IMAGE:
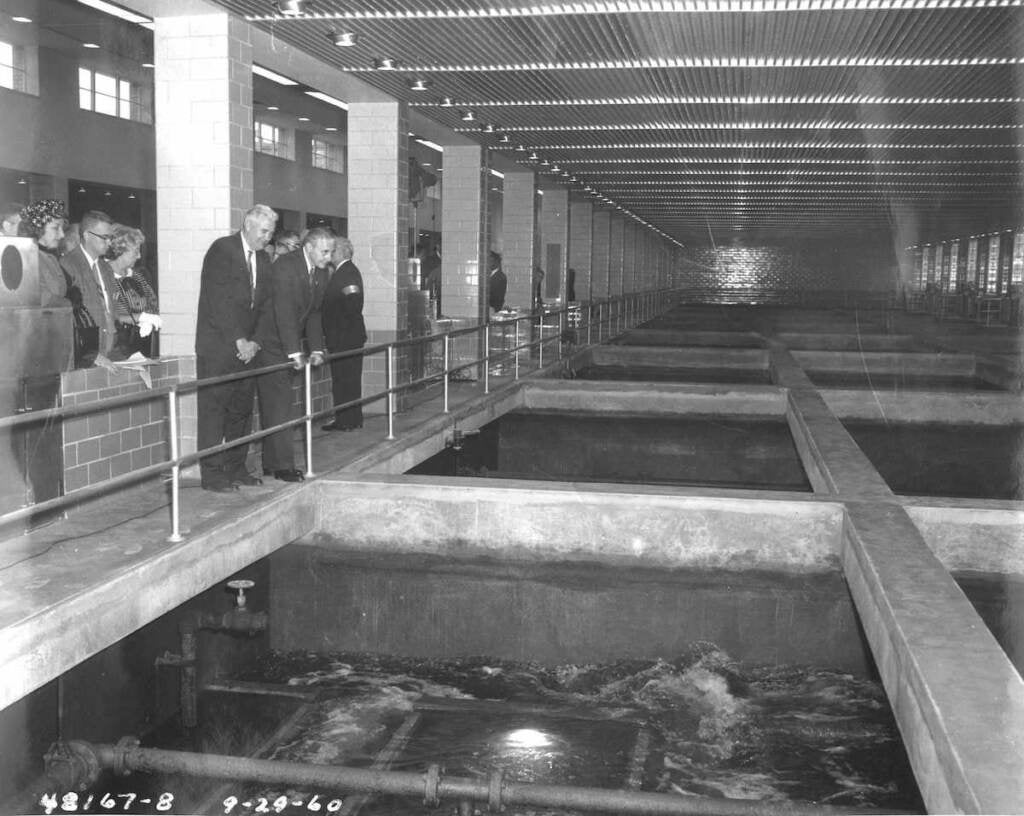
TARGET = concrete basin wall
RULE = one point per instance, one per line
(581, 522)
(973, 538)
(979, 407)
(848, 342)
(693, 357)
(654, 399)
(886, 361)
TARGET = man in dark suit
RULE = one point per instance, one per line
(233, 289)
(497, 283)
(93, 280)
(344, 329)
(288, 329)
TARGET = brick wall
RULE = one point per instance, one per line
(105, 444)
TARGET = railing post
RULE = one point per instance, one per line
(515, 364)
(600, 321)
(561, 331)
(446, 355)
(391, 390)
(308, 375)
(540, 346)
(172, 420)
(590, 320)
(487, 358)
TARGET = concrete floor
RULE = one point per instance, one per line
(78, 585)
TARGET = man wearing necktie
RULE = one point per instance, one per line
(234, 287)
(95, 280)
(288, 329)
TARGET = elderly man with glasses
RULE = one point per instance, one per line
(95, 280)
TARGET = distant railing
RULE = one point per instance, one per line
(600, 320)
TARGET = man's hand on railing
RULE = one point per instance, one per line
(298, 360)
(316, 358)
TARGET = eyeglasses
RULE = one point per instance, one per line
(102, 237)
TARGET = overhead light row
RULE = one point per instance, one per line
(767, 125)
(297, 9)
(817, 99)
(655, 63)
(783, 146)
(824, 173)
(792, 160)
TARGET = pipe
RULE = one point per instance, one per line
(127, 756)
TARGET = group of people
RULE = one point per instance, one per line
(91, 266)
(263, 303)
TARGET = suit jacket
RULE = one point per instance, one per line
(102, 308)
(293, 314)
(228, 306)
(343, 309)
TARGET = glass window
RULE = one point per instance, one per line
(12, 66)
(272, 140)
(111, 95)
(327, 155)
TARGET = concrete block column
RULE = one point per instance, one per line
(378, 226)
(581, 240)
(554, 229)
(464, 239)
(518, 226)
(629, 255)
(615, 268)
(202, 96)
(203, 124)
(600, 254)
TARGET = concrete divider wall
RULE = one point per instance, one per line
(700, 357)
(980, 407)
(886, 361)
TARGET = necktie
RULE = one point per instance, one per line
(252, 278)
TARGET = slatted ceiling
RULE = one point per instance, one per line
(861, 137)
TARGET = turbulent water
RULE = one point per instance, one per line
(712, 727)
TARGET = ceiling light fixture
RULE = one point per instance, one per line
(343, 39)
(89, 45)
(385, 63)
(488, 128)
(330, 100)
(420, 85)
(504, 138)
(533, 156)
(22, 19)
(148, 65)
(292, 8)
(303, 118)
(468, 116)
(520, 149)
(272, 107)
(556, 169)
(446, 102)
(273, 76)
(22, 180)
(116, 11)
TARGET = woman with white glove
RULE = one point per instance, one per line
(138, 312)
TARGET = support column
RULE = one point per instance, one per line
(600, 254)
(202, 96)
(554, 226)
(518, 226)
(378, 226)
(629, 239)
(581, 235)
(464, 239)
(615, 255)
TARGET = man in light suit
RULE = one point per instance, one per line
(94, 280)
(234, 287)
(288, 329)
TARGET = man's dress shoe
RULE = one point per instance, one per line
(292, 475)
(220, 487)
(247, 480)
(334, 426)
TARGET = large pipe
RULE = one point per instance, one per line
(432, 787)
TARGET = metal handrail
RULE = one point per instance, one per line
(613, 315)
